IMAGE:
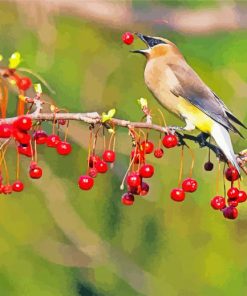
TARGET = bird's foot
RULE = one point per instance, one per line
(202, 139)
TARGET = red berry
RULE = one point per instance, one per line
(64, 148)
(208, 166)
(1, 188)
(232, 192)
(230, 212)
(35, 172)
(23, 123)
(92, 172)
(109, 156)
(231, 174)
(134, 190)
(138, 156)
(5, 130)
(141, 189)
(93, 159)
(85, 182)
(177, 194)
(101, 166)
(144, 188)
(62, 121)
(25, 150)
(242, 196)
(170, 141)
(128, 199)
(218, 202)
(128, 38)
(133, 180)
(147, 147)
(21, 137)
(146, 171)
(53, 140)
(17, 186)
(40, 136)
(189, 185)
(24, 83)
(158, 153)
(232, 202)
(7, 189)
(33, 165)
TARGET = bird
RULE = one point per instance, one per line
(179, 89)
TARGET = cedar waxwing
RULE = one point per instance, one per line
(180, 90)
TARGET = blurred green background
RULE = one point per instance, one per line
(57, 240)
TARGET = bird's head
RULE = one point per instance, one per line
(156, 46)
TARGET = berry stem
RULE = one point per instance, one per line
(209, 151)
(66, 131)
(145, 136)
(163, 117)
(181, 166)
(239, 184)
(17, 164)
(129, 167)
(192, 162)
(95, 139)
(35, 152)
(6, 167)
(224, 180)
(31, 148)
(54, 123)
(110, 141)
(114, 142)
(104, 140)
(218, 178)
(89, 148)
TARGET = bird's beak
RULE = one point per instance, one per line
(145, 39)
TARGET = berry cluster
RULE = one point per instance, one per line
(27, 136)
(189, 185)
(234, 196)
(96, 165)
(141, 170)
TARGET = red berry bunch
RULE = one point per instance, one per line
(188, 185)
(21, 133)
(96, 165)
(229, 206)
(136, 185)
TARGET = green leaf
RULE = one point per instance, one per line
(105, 117)
(38, 88)
(111, 113)
(143, 102)
(15, 60)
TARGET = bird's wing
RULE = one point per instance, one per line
(192, 88)
(228, 112)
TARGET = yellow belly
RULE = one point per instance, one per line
(202, 121)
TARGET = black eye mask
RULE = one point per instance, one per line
(153, 41)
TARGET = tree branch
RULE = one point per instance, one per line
(94, 118)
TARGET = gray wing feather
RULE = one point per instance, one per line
(192, 88)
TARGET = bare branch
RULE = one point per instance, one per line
(94, 118)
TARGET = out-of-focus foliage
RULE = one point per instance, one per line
(187, 248)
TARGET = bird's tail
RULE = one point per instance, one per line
(223, 140)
